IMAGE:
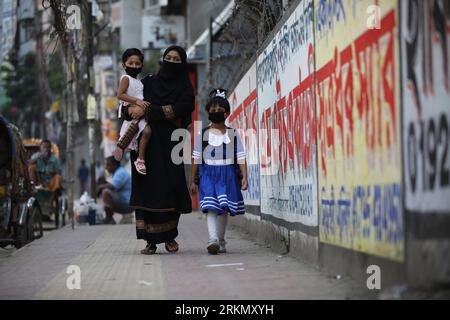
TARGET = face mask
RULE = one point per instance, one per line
(133, 72)
(217, 117)
(170, 70)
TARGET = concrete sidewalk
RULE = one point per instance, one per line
(112, 268)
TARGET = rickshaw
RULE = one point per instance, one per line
(20, 212)
(52, 204)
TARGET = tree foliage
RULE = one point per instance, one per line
(21, 84)
(56, 78)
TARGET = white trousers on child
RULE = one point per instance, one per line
(216, 226)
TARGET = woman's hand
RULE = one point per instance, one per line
(142, 103)
(193, 188)
(136, 112)
(244, 183)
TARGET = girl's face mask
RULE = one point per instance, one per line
(217, 117)
(133, 72)
(133, 66)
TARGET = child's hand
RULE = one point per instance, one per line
(193, 188)
(136, 112)
(244, 183)
(142, 103)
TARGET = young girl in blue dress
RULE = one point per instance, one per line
(223, 171)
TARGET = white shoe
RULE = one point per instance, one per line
(213, 247)
(127, 219)
(222, 248)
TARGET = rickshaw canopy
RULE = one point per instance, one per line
(32, 145)
(16, 157)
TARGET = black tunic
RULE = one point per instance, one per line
(162, 195)
(164, 188)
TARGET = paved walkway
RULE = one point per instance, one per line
(112, 268)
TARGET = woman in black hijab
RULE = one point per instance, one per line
(162, 195)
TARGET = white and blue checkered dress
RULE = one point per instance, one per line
(219, 184)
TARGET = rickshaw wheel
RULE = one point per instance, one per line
(59, 209)
(35, 229)
(55, 208)
(21, 236)
(63, 210)
(32, 230)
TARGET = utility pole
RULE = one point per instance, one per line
(108, 74)
(91, 104)
(113, 48)
(71, 92)
(73, 105)
(68, 41)
(41, 65)
(210, 53)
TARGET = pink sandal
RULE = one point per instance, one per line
(140, 166)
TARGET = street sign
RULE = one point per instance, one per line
(162, 31)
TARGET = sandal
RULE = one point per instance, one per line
(149, 249)
(172, 246)
(140, 166)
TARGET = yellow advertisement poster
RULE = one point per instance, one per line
(358, 126)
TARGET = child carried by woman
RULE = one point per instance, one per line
(131, 92)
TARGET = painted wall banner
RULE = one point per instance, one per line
(244, 117)
(358, 114)
(425, 44)
(287, 123)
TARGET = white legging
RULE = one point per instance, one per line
(216, 226)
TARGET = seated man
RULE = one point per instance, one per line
(45, 169)
(45, 172)
(116, 195)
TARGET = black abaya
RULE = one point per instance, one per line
(162, 195)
